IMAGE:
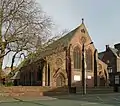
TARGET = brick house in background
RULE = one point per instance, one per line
(111, 56)
(50, 67)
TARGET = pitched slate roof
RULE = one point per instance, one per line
(63, 42)
(100, 55)
(114, 51)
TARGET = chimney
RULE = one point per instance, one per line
(117, 46)
(107, 46)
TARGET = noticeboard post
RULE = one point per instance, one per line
(117, 80)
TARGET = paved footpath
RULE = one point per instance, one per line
(68, 100)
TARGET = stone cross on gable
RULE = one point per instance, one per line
(82, 20)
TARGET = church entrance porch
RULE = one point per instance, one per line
(60, 80)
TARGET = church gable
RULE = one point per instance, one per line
(81, 36)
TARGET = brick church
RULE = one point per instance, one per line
(62, 59)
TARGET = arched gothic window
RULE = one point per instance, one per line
(77, 58)
(89, 59)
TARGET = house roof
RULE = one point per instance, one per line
(100, 55)
(114, 51)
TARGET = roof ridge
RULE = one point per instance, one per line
(101, 52)
(113, 48)
(74, 29)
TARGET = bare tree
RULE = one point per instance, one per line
(18, 54)
(22, 26)
(56, 36)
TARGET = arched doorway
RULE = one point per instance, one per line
(102, 79)
(60, 80)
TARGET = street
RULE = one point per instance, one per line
(68, 100)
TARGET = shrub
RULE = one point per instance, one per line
(9, 83)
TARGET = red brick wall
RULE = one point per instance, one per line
(23, 90)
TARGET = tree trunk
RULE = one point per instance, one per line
(1, 58)
(13, 60)
(1, 63)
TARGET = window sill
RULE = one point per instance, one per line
(77, 69)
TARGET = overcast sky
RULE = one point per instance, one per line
(102, 18)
